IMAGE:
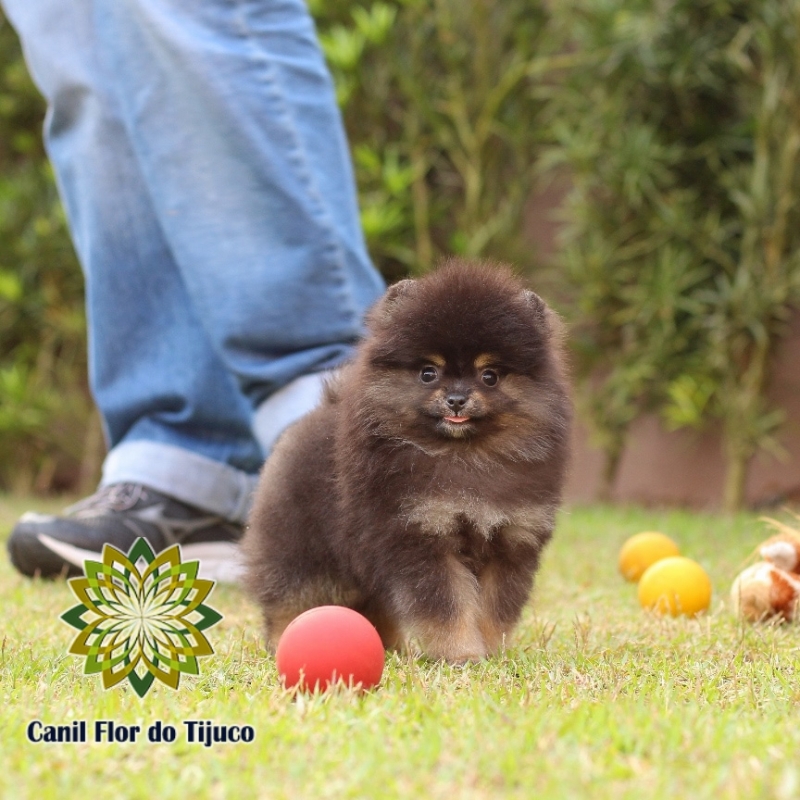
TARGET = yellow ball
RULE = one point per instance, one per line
(642, 550)
(675, 585)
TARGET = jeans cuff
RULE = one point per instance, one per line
(286, 406)
(191, 478)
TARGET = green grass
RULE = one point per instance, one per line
(593, 698)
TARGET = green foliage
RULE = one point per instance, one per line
(440, 104)
(44, 405)
(679, 123)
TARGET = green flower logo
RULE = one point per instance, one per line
(141, 617)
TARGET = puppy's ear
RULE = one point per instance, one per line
(538, 308)
(534, 302)
(546, 317)
(394, 297)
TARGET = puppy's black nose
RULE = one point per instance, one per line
(456, 400)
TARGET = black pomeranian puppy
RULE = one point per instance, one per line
(424, 487)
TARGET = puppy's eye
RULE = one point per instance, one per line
(489, 377)
(428, 374)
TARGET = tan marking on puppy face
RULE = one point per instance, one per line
(521, 409)
(476, 405)
(436, 360)
(455, 640)
(485, 360)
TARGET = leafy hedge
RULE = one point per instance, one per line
(45, 411)
(680, 127)
(441, 107)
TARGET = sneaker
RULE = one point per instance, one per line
(48, 546)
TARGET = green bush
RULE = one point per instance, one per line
(45, 412)
(679, 124)
(441, 108)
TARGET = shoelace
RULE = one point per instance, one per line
(117, 497)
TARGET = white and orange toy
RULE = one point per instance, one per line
(770, 589)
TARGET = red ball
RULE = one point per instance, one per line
(327, 644)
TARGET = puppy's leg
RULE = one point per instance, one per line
(276, 619)
(441, 612)
(289, 550)
(505, 586)
(299, 598)
(385, 623)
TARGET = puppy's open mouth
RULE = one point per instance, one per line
(456, 420)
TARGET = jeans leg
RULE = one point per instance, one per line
(231, 113)
(203, 166)
(154, 374)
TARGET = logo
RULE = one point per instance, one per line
(141, 617)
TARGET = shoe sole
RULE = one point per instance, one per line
(219, 561)
(33, 559)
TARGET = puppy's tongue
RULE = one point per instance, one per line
(456, 419)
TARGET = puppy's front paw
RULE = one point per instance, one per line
(458, 643)
(460, 660)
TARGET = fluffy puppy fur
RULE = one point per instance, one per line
(423, 489)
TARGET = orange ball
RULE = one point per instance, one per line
(328, 644)
(643, 550)
(675, 586)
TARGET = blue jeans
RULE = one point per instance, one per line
(206, 178)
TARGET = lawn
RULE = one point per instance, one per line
(593, 697)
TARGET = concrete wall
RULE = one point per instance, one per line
(660, 467)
